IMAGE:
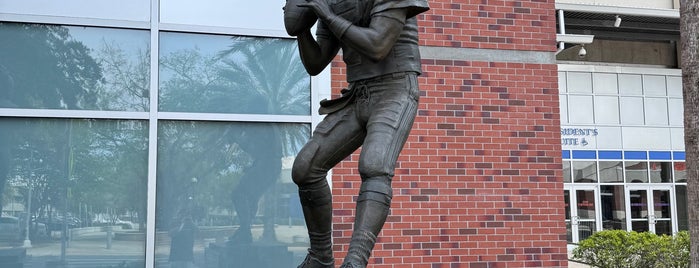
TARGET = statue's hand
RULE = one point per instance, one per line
(320, 7)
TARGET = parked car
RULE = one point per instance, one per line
(10, 229)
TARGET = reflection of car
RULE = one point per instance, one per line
(56, 223)
(10, 229)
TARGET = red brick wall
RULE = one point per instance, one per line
(479, 182)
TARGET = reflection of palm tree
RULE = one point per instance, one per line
(270, 80)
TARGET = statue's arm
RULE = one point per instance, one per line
(316, 55)
(374, 41)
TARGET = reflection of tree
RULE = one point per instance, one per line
(126, 85)
(52, 69)
(42, 66)
(101, 163)
(252, 76)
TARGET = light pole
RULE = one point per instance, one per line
(28, 243)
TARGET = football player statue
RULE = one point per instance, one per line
(379, 41)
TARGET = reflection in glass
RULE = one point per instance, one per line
(660, 172)
(566, 172)
(661, 203)
(237, 194)
(79, 68)
(586, 229)
(566, 197)
(76, 186)
(638, 200)
(680, 171)
(611, 171)
(682, 218)
(586, 204)
(613, 207)
(585, 171)
(223, 74)
(663, 227)
(636, 171)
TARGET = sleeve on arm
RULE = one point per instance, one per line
(414, 7)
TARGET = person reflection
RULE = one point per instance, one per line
(182, 242)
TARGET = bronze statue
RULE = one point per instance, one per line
(379, 41)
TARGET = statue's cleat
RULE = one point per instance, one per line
(311, 262)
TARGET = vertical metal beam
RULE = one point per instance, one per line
(152, 133)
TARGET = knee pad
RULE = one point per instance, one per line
(301, 169)
(377, 189)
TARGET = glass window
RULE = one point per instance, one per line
(78, 68)
(660, 172)
(75, 184)
(613, 207)
(680, 171)
(682, 214)
(585, 171)
(566, 171)
(611, 171)
(636, 171)
(224, 74)
(238, 191)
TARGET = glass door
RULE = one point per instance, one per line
(650, 209)
(582, 208)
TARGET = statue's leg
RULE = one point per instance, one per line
(336, 137)
(392, 112)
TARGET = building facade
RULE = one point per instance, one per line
(621, 117)
(127, 126)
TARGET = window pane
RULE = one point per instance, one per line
(636, 171)
(78, 68)
(237, 194)
(566, 171)
(585, 171)
(88, 177)
(611, 171)
(613, 208)
(680, 172)
(660, 172)
(223, 74)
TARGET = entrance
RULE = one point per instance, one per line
(650, 209)
(581, 216)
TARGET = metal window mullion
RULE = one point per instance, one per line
(152, 134)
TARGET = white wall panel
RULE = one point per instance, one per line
(606, 110)
(632, 111)
(609, 138)
(579, 82)
(676, 112)
(674, 86)
(654, 85)
(677, 138)
(583, 111)
(130, 10)
(264, 15)
(656, 111)
(630, 84)
(605, 83)
(646, 138)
